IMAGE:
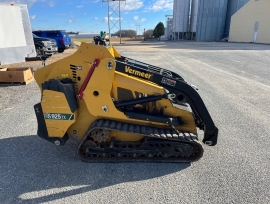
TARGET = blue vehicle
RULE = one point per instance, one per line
(60, 36)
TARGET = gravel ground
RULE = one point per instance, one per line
(12, 94)
(233, 81)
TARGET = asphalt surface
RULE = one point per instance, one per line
(233, 81)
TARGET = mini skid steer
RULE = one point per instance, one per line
(121, 109)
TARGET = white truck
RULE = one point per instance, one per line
(106, 37)
(16, 40)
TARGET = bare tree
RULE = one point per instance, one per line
(149, 33)
(126, 33)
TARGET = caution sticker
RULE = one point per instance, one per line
(169, 82)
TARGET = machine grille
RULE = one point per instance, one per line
(124, 94)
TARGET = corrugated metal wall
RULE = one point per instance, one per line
(181, 15)
(211, 20)
(233, 7)
(194, 15)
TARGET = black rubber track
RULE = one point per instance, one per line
(190, 149)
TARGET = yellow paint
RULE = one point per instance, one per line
(55, 102)
(242, 28)
(113, 52)
(101, 93)
(64, 75)
(124, 78)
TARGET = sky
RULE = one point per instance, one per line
(91, 16)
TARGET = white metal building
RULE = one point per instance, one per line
(203, 20)
(16, 40)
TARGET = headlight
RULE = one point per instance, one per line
(46, 43)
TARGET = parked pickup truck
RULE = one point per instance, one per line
(44, 46)
(61, 37)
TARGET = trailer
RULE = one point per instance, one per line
(16, 40)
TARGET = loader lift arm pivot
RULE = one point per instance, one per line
(88, 77)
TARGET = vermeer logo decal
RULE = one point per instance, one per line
(169, 82)
(137, 73)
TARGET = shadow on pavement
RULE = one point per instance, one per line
(34, 171)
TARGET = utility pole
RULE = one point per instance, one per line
(112, 10)
(139, 28)
(144, 34)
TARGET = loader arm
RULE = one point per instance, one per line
(174, 83)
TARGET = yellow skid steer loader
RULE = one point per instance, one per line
(121, 109)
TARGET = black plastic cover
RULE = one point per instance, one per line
(42, 129)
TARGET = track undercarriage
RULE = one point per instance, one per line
(158, 145)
